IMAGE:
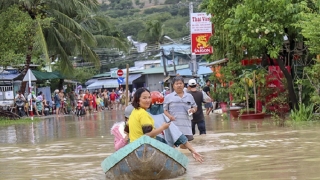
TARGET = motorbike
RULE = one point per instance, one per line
(20, 107)
(46, 109)
(80, 111)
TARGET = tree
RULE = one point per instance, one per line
(63, 36)
(309, 26)
(104, 32)
(155, 31)
(83, 74)
(14, 28)
(177, 27)
(132, 28)
(161, 17)
(257, 29)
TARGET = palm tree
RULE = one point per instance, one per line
(56, 30)
(104, 32)
(155, 30)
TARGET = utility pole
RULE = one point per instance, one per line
(164, 63)
(127, 86)
(193, 56)
(174, 64)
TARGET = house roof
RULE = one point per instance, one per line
(106, 74)
(8, 77)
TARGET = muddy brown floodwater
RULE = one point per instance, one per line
(73, 148)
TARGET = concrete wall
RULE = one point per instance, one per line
(152, 81)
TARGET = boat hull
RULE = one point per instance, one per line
(151, 159)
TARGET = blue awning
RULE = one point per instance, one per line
(132, 77)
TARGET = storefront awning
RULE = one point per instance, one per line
(39, 75)
(132, 77)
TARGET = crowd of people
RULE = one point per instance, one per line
(66, 102)
(38, 102)
(92, 102)
(182, 108)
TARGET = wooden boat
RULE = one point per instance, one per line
(145, 158)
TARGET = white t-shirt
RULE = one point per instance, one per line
(31, 96)
(22, 97)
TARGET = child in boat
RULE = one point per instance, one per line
(120, 130)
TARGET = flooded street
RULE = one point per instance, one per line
(73, 148)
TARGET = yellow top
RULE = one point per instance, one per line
(138, 118)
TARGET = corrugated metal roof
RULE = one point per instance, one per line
(8, 77)
(106, 74)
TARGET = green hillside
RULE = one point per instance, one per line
(133, 18)
(130, 17)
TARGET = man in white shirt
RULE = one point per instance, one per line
(19, 97)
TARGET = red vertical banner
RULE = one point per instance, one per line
(200, 43)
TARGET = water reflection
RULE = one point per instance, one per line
(62, 127)
(72, 148)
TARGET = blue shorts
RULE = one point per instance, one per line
(181, 140)
(201, 127)
(58, 105)
(208, 105)
(161, 139)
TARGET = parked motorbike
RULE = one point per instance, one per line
(46, 109)
(20, 107)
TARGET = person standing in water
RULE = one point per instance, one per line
(198, 116)
(178, 106)
(207, 90)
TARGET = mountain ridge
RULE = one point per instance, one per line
(147, 3)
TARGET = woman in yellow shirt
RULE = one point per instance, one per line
(140, 122)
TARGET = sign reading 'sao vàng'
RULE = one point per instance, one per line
(201, 30)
